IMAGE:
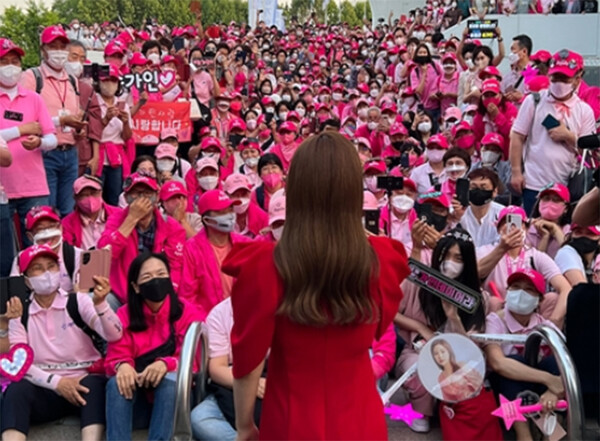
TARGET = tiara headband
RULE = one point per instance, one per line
(464, 236)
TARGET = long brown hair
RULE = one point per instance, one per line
(323, 256)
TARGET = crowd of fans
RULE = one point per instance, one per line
(417, 106)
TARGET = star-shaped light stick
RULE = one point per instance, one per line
(511, 411)
(403, 413)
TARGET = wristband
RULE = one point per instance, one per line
(3, 333)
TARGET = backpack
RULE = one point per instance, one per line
(73, 311)
(68, 252)
(39, 81)
(260, 197)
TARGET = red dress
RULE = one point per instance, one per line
(320, 381)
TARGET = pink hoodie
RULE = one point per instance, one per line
(502, 124)
(201, 277)
(169, 239)
(72, 226)
(134, 344)
(257, 219)
(384, 352)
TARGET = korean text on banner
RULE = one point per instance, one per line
(156, 116)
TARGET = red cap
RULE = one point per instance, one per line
(398, 129)
(494, 139)
(287, 126)
(234, 182)
(171, 189)
(27, 256)
(558, 189)
(115, 47)
(490, 70)
(490, 85)
(461, 126)
(215, 200)
(338, 87)
(267, 100)
(293, 115)
(138, 59)
(38, 213)
(542, 56)
(210, 141)
(592, 229)
(511, 209)
(52, 33)
(86, 181)
(169, 133)
(439, 140)
(113, 72)
(378, 166)
(237, 124)
(143, 35)
(449, 56)
(165, 150)
(566, 62)
(126, 37)
(7, 46)
(389, 106)
(435, 197)
(363, 88)
(530, 275)
(136, 179)
(169, 59)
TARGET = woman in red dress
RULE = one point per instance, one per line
(317, 299)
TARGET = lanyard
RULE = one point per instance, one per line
(520, 262)
(64, 97)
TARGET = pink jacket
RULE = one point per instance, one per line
(72, 226)
(378, 139)
(134, 344)
(194, 190)
(257, 219)
(384, 352)
(277, 149)
(201, 277)
(502, 125)
(169, 239)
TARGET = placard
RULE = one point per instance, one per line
(153, 117)
(482, 29)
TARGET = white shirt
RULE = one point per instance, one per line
(484, 233)
(420, 175)
(568, 259)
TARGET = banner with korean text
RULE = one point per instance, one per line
(156, 116)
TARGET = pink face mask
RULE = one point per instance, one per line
(551, 210)
(465, 142)
(89, 205)
(287, 138)
(493, 100)
(272, 180)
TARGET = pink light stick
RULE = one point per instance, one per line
(403, 413)
(511, 411)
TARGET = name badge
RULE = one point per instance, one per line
(13, 116)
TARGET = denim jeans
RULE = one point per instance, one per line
(123, 416)
(7, 243)
(61, 171)
(529, 198)
(22, 207)
(112, 179)
(208, 422)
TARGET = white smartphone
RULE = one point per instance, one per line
(513, 220)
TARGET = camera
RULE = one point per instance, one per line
(390, 183)
(95, 71)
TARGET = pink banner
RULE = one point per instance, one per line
(153, 117)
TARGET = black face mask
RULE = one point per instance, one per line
(157, 289)
(584, 245)
(479, 197)
(438, 222)
(398, 145)
(420, 59)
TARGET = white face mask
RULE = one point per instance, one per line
(521, 302)
(489, 157)
(451, 269)
(393, 58)
(165, 164)
(214, 156)
(469, 119)
(424, 127)
(74, 68)
(286, 98)
(435, 155)
(301, 112)
(57, 59)
(403, 203)
(243, 207)
(277, 232)
(223, 106)
(282, 116)
(270, 110)
(108, 88)
(10, 75)
(362, 113)
(251, 162)
(513, 58)
(223, 223)
(455, 168)
(155, 58)
(371, 183)
(48, 234)
(469, 63)
(372, 125)
(336, 96)
(374, 93)
(208, 182)
(46, 283)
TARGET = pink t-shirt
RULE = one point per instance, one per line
(92, 230)
(448, 86)
(218, 324)
(203, 86)
(545, 160)
(226, 281)
(431, 85)
(58, 94)
(26, 176)
(506, 266)
(533, 239)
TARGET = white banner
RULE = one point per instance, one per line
(269, 8)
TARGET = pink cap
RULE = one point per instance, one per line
(86, 181)
(126, 37)
(203, 163)
(490, 85)
(378, 166)
(369, 201)
(435, 197)
(137, 179)
(138, 59)
(494, 139)
(293, 115)
(143, 35)
(449, 56)
(595, 230)
(389, 106)
(542, 56)
(364, 141)
(210, 141)
(490, 70)
(439, 140)
(267, 101)
(530, 275)
(27, 256)
(287, 126)
(38, 213)
(471, 108)
(452, 112)
(408, 91)
(276, 209)
(558, 189)
(7, 46)
(398, 129)
(566, 62)
(168, 133)
(237, 124)
(52, 33)
(115, 47)
(511, 209)
(215, 200)
(234, 182)
(169, 59)
(113, 72)
(363, 88)
(171, 189)
(461, 127)
(165, 150)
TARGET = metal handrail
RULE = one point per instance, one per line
(182, 426)
(568, 372)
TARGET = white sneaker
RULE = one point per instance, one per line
(420, 425)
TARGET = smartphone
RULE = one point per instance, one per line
(513, 220)
(93, 263)
(424, 213)
(178, 43)
(241, 56)
(434, 180)
(420, 108)
(372, 221)
(462, 191)
(405, 160)
(550, 122)
(12, 287)
(390, 183)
